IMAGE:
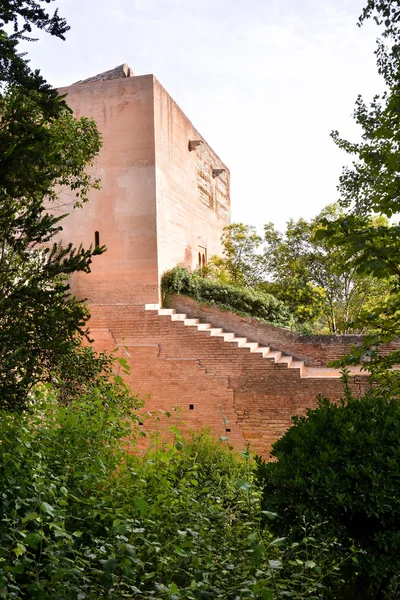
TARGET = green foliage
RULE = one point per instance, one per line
(44, 149)
(39, 321)
(21, 15)
(314, 278)
(371, 187)
(82, 517)
(243, 300)
(338, 468)
(302, 269)
(242, 261)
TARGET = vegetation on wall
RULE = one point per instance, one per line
(240, 299)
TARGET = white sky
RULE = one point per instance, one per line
(264, 81)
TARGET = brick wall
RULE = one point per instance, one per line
(314, 350)
(233, 390)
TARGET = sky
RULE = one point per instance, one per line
(264, 82)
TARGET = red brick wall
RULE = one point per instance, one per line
(177, 365)
(314, 350)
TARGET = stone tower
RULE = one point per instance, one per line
(164, 197)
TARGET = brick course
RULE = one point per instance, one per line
(231, 385)
(314, 350)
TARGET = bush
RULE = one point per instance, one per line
(81, 518)
(242, 300)
(339, 468)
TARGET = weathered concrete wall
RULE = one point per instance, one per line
(193, 207)
(314, 350)
(124, 210)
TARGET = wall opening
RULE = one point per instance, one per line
(96, 238)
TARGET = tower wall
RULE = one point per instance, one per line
(160, 204)
(123, 211)
(193, 207)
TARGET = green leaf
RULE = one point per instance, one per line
(242, 484)
(19, 550)
(32, 539)
(47, 508)
(278, 542)
(141, 505)
(270, 515)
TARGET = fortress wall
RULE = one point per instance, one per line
(193, 207)
(123, 211)
(178, 365)
(314, 350)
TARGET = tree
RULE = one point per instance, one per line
(43, 147)
(314, 278)
(241, 258)
(338, 470)
(370, 187)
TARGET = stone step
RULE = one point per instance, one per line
(215, 330)
(226, 335)
(264, 350)
(251, 345)
(238, 340)
(275, 354)
(152, 307)
(191, 322)
(297, 364)
(178, 317)
(166, 311)
(204, 326)
(286, 359)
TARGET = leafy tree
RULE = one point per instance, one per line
(241, 258)
(314, 278)
(338, 468)
(370, 187)
(43, 148)
(21, 15)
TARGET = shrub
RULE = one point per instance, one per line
(339, 468)
(242, 300)
(80, 518)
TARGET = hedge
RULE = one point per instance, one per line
(242, 300)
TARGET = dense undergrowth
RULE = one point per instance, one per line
(242, 300)
(81, 516)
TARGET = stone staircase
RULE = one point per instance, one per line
(266, 352)
(242, 390)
